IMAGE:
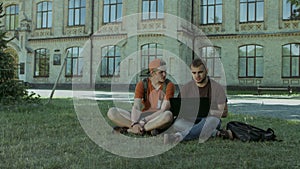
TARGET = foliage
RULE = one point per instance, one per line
(296, 12)
(12, 90)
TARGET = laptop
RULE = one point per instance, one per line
(190, 108)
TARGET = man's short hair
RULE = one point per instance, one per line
(197, 62)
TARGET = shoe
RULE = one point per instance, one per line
(171, 139)
(119, 130)
(225, 134)
(154, 132)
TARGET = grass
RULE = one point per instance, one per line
(51, 137)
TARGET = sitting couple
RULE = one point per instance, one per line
(150, 111)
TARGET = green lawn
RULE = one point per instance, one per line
(50, 136)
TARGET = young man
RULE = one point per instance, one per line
(151, 112)
(201, 87)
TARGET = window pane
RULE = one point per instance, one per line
(153, 9)
(259, 67)
(77, 14)
(218, 17)
(286, 66)
(260, 11)
(106, 14)
(251, 12)
(203, 15)
(119, 12)
(243, 12)
(295, 66)
(259, 51)
(295, 49)
(71, 16)
(50, 20)
(286, 13)
(104, 67)
(113, 13)
(286, 51)
(210, 2)
(211, 14)
(110, 66)
(251, 67)
(251, 50)
(243, 51)
(82, 16)
(242, 67)
(160, 9)
(145, 10)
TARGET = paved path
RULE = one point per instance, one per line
(285, 107)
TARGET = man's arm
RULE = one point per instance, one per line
(136, 110)
(221, 110)
(165, 106)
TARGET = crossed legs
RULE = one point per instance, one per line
(122, 118)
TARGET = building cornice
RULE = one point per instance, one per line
(253, 35)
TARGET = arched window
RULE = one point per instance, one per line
(291, 60)
(74, 64)
(150, 52)
(41, 62)
(212, 56)
(251, 63)
(110, 62)
(11, 17)
(76, 12)
(44, 15)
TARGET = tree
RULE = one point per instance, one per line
(295, 12)
(11, 89)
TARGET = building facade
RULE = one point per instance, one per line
(245, 43)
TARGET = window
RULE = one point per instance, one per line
(290, 60)
(11, 17)
(251, 10)
(112, 11)
(44, 15)
(150, 52)
(74, 65)
(251, 61)
(211, 11)
(41, 63)
(153, 9)
(76, 12)
(211, 56)
(290, 11)
(111, 59)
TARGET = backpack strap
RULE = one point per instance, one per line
(145, 84)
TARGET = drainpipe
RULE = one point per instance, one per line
(91, 46)
(192, 22)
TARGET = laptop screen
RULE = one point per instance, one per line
(190, 108)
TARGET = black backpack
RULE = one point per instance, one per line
(246, 132)
(145, 84)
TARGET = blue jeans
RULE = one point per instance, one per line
(204, 129)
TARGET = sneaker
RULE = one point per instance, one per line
(154, 132)
(225, 134)
(119, 130)
(171, 139)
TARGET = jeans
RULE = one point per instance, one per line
(206, 128)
